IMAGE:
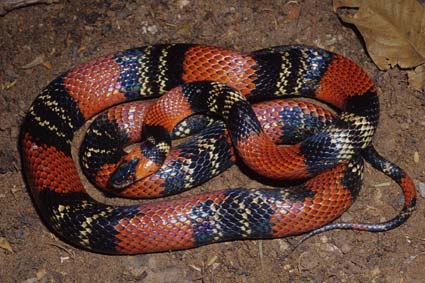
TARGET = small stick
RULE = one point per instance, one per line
(9, 5)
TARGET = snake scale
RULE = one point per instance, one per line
(327, 152)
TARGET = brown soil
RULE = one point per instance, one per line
(72, 32)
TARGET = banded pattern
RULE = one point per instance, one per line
(79, 94)
(338, 142)
(285, 121)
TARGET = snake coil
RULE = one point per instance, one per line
(200, 79)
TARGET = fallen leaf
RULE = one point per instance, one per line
(394, 31)
(417, 77)
(4, 244)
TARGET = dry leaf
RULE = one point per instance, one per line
(4, 244)
(394, 31)
(417, 77)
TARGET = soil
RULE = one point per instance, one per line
(65, 34)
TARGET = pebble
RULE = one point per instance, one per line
(416, 157)
(329, 248)
(323, 239)
(345, 248)
(307, 261)
(404, 126)
(153, 29)
(183, 3)
(346, 217)
(283, 245)
(123, 13)
(375, 272)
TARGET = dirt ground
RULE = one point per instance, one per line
(72, 32)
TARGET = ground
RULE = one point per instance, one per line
(71, 32)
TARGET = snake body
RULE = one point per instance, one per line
(213, 80)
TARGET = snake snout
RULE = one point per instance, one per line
(136, 165)
(124, 175)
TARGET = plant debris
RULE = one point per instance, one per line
(393, 32)
(4, 244)
(9, 5)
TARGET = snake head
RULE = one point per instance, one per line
(132, 168)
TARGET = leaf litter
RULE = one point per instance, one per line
(393, 31)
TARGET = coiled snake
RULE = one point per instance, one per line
(219, 82)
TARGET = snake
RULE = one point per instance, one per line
(325, 169)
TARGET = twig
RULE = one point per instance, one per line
(9, 5)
